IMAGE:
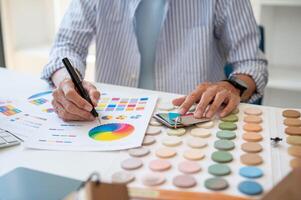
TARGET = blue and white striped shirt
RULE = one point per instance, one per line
(197, 39)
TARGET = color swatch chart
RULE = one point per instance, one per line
(231, 155)
(9, 110)
(122, 104)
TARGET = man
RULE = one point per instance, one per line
(197, 38)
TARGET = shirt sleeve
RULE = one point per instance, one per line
(237, 30)
(73, 38)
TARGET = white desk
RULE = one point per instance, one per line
(71, 164)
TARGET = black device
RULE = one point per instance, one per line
(78, 84)
(238, 84)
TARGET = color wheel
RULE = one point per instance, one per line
(110, 132)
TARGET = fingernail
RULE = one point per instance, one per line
(88, 107)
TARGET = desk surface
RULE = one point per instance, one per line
(76, 165)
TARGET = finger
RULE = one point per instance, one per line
(71, 95)
(71, 108)
(63, 114)
(207, 97)
(93, 92)
(178, 101)
(191, 99)
(219, 98)
(232, 104)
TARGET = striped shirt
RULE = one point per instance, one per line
(197, 39)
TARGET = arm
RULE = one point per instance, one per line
(237, 30)
(72, 40)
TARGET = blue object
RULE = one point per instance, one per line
(27, 184)
(250, 188)
(149, 20)
(250, 172)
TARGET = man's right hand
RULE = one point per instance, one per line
(68, 104)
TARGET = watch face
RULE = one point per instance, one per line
(240, 82)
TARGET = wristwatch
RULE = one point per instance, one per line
(238, 84)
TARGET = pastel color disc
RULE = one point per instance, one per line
(219, 170)
(227, 135)
(227, 126)
(224, 145)
(199, 132)
(184, 181)
(252, 137)
(252, 127)
(293, 131)
(230, 118)
(291, 114)
(292, 122)
(139, 152)
(251, 159)
(189, 167)
(193, 154)
(250, 172)
(159, 165)
(253, 111)
(216, 184)
(172, 141)
(222, 156)
(250, 188)
(153, 179)
(122, 177)
(295, 163)
(206, 125)
(253, 119)
(110, 132)
(251, 147)
(294, 140)
(295, 151)
(196, 143)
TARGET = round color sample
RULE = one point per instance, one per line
(184, 181)
(207, 125)
(148, 140)
(193, 154)
(165, 153)
(166, 106)
(252, 137)
(155, 122)
(219, 170)
(216, 184)
(291, 113)
(131, 164)
(110, 132)
(292, 122)
(252, 127)
(250, 188)
(251, 147)
(176, 132)
(227, 135)
(153, 130)
(189, 167)
(253, 111)
(224, 145)
(294, 140)
(293, 131)
(122, 177)
(251, 159)
(153, 179)
(199, 132)
(295, 163)
(139, 152)
(250, 172)
(221, 156)
(172, 141)
(159, 165)
(196, 143)
(252, 119)
(230, 118)
(227, 126)
(295, 151)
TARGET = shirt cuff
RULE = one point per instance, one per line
(56, 64)
(258, 71)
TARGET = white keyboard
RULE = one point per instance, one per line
(7, 139)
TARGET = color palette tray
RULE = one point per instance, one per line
(122, 104)
(231, 156)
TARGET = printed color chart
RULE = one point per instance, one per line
(38, 101)
(122, 104)
(9, 110)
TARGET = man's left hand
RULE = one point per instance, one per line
(210, 97)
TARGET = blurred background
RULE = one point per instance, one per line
(28, 28)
